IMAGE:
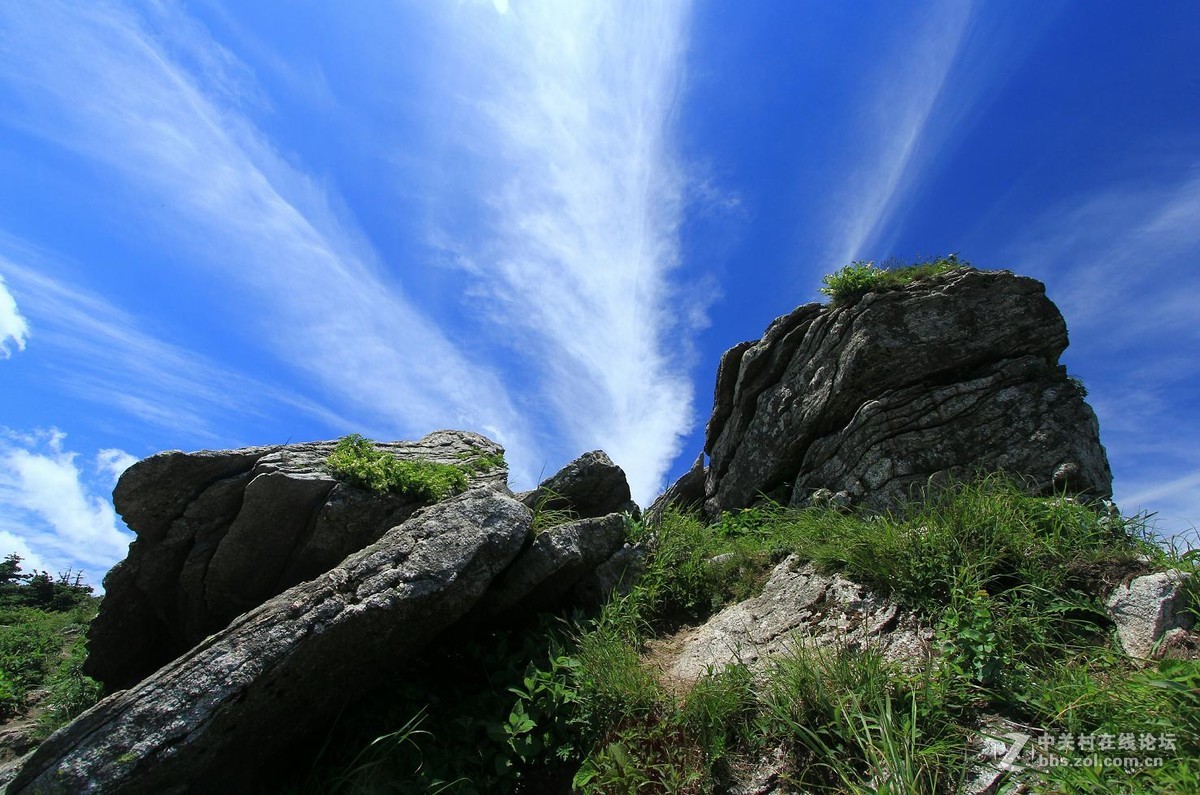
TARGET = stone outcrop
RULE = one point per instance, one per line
(274, 673)
(205, 721)
(1151, 612)
(591, 485)
(685, 494)
(558, 558)
(950, 376)
(220, 532)
(799, 605)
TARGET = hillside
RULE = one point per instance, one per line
(894, 568)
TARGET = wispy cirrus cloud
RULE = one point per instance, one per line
(55, 512)
(894, 137)
(566, 111)
(14, 328)
(148, 95)
(103, 354)
(1119, 261)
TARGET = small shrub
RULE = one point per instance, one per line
(357, 461)
(859, 278)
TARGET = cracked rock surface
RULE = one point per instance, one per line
(798, 605)
(949, 376)
(220, 532)
(200, 723)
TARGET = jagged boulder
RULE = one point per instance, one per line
(558, 559)
(944, 378)
(220, 532)
(799, 605)
(205, 722)
(590, 486)
(687, 493)
(1151, 611)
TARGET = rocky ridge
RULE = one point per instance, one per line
(263, 593)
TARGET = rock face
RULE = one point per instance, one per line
(944, 378)
(203, 722)
(558, 558)
(591, 485)
(799, 605)
(218, 533)
(1151, 610)
(685, 494)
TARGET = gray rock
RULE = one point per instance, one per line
(1150, 609)
(798, 605)
(590, 486)
(220, 532)
(205, 721)
(615, 575)
(939, 380)
(557, 559)
(685, 494)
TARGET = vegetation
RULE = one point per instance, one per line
(1011, 583)
(42, 645)
(357, 461)
(859, 278)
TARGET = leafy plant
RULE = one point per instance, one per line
(357, 461)
(855, 280)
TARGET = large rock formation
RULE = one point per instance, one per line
(944, 378)
(220, 532)
(204, 722)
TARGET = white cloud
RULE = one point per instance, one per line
(102, 354)
(50, 512)
(163, 113)
(13, 326)
(1120, 263)
(1175, 504)
(894, 137)
(112, 462)
(566, 111)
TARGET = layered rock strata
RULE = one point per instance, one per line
(220, 532)
(948, 377)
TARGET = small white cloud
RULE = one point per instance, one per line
(114, 462)
(13, 327)
(50, 511)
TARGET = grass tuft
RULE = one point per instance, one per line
(358, 462)
(852, 282)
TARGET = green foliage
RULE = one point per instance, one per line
(551, 510)
(852, 282)
(836, 707)
(1010, 584)
(44, 647)
(357, 461)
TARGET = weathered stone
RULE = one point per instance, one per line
(615, 575)
(204, 722)
(220, 532)
(685, 494)
(798, 605)
(556, 560)
(950, 376)
(590, 486)
(1150, 608)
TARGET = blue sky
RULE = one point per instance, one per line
(225, 224)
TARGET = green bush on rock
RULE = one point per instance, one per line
(357, 461)
(859, 278)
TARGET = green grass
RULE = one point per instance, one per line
(357, 461)
(1010, 583)
(852, 282)
(44, 649)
